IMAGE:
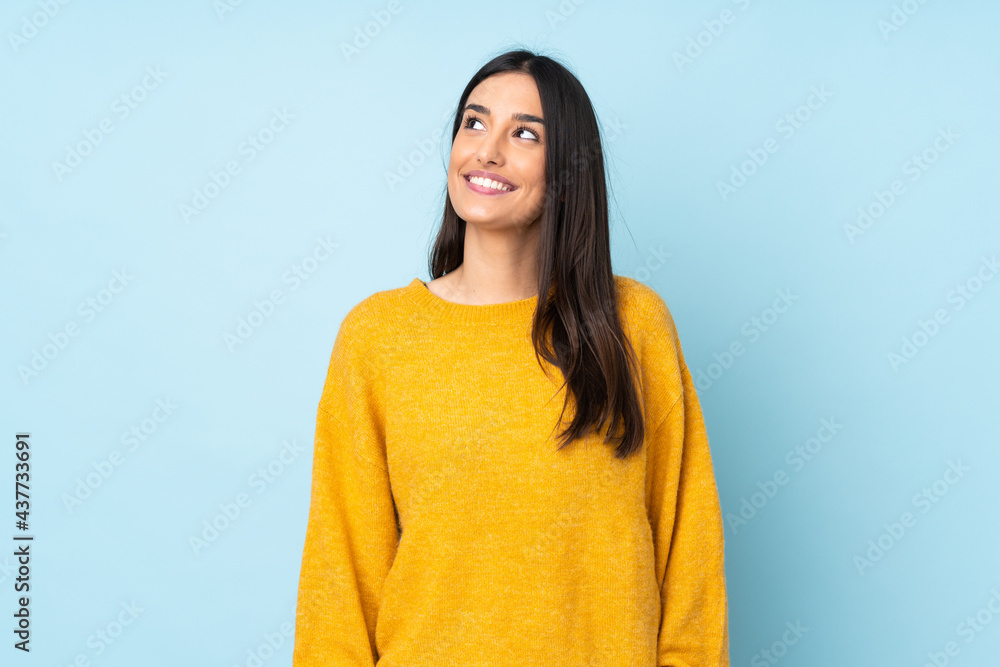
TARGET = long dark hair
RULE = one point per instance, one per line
(588, 343)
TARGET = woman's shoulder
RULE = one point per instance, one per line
(376, 315)
(650, 328)
(643, 308)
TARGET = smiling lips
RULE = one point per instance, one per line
(482, 183)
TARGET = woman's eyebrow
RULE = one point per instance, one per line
(520, 117)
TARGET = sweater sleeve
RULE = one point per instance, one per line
(352, 531)
(686, 520)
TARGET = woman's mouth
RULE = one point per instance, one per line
(487, 186)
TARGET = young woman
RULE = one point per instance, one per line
(456, 518)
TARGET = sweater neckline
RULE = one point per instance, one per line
(496, 313)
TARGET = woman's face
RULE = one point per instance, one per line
(501, 137)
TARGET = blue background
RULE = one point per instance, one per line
(674, 130)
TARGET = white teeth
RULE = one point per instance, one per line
(489, 183)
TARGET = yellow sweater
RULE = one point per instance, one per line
(445, 529)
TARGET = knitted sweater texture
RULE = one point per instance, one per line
(445, 529)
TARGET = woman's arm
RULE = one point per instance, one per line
(686, 519)
(351, 535)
